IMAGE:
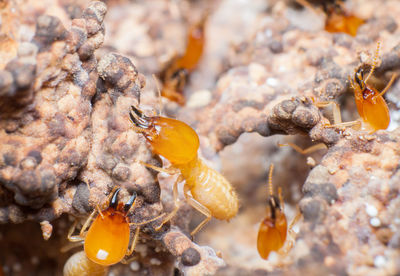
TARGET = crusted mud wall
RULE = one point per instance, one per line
(70, 70)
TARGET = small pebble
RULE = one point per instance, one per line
(273, 257)
(35, 260)
(17, 267)
(272, 82)
(47, 229)
(329, 261)
(134, 266)
(371, 210)
(379, 261)
(311, 162)
(375, 222)
(199, 98)
(155, 261)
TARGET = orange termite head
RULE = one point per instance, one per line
(273, 228)
(170, 138)
(107, 239)
(272, 233)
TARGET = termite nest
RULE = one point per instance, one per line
(91, 94)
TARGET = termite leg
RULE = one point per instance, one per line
(138, 129)
(175, 96)
(129, 260)
(351, 82)
(132, 248)
(98, 210)
(388, 85)
(134, 241)
(147, 221)
(159, 169)
(87, 223)
(177, 204)
(291, 236)
(294, 221)
(199, 207)
(75, 238)
(82, 233)
(70, 245)
(337, 118)
(304, 151)
(347, 124)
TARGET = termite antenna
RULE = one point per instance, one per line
(378, 46)
(270, 187)
(375, 61)
(271, 199)
(281, 203)
(159, 99)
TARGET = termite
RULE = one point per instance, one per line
(79, 265)
(205, 189)
(273, 230)
(338, 20)
(175, 76)
(371, 106)
(107, 240)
